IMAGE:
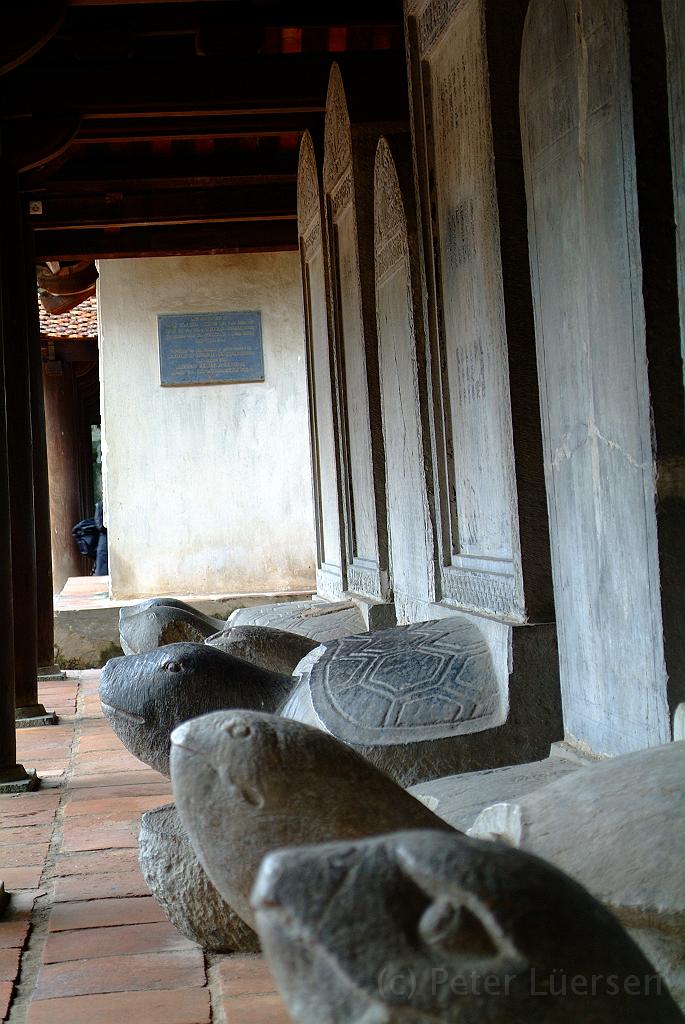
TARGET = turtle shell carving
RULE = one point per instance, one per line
(429, 680)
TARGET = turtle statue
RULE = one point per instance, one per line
(418, 701)
(179, 883)
(246, 783)
(265, 646)
(423, 927)
(163, 620)
(145, 696)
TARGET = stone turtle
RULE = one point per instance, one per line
(265, 646)
(246, 783)
(144, 697)
(418, 701)
(163, 620)
(178, 882)
(425, 927)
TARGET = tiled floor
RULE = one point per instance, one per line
(82, 940)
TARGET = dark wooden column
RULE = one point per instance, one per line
(12, 775)
(20, 457)
(41, 493)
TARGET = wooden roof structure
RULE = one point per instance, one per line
(153, 128)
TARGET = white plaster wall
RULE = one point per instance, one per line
(207, 488)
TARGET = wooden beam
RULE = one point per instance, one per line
(35, 142)
(150, 17)
(189, 240)
(150, 129)
(103, 173)
(118, 209)
(26, 28)
(78, 350)
(261, 85)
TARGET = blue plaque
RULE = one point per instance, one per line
(210, 348)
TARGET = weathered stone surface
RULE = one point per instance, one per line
(418, 701)
(265, 646)
(477, 507)
(322, 376)
(577, 132)
(425, 927)
(616, 827)
(247, 783)
(160, 621)
(316, 619)
(348, 185)
(144, 697)
(459, 799)
(403, 360)
(178, 882)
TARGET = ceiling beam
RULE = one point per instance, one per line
(98, 130)
(26, 28)
(201, 206)
(260, 85)
(184, 240)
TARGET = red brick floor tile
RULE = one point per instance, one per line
(17, 820)
(124, 807)
(159, 1007)
(244, 975)
(106, 741)
(114, 792)
(25, 835)
(9, 964)
(100, 942)
(22, 878)
(96, 861)
(30, 803)
(107, 837)
(105, 913)
(100, 886)
(126, 973)
(116, 763)
(262, 1009)
(6, 990)
(142, 776)
(23, 856)
(13, 934)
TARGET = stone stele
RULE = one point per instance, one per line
(319, 620)
(424, 927)
(617, 828)
(247, 783)
(144, 697)
(178, 882)
(159, 621)
(265, 646)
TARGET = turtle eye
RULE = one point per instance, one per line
(172, 666)
(456, 929)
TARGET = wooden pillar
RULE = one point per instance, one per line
(45, 634)
(64, 466)
(20, 456)
(12, 775)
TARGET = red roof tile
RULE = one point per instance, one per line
(80, 322)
